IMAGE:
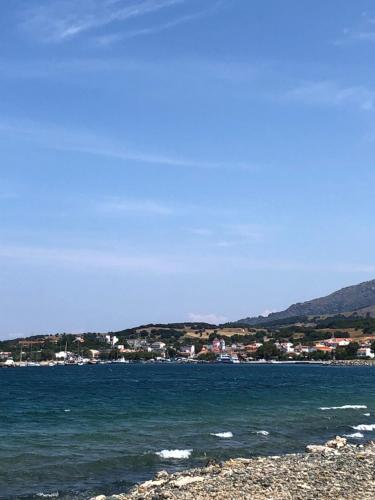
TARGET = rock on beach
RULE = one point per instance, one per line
(336, 470)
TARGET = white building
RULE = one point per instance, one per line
(286, 347)
(137, 343)
(158, 346)
(188, 349)
(111, 340)
(339, 342)
(61, 355)
(365, 352)
(308, 349)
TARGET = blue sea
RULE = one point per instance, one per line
(79, 431)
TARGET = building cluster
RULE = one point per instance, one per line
(112, 347)
(328, 346)
(220, 346)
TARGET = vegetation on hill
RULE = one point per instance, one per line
(264, 340)
(352, 298)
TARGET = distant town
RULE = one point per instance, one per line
(295, 339)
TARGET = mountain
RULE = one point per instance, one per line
(356, 298)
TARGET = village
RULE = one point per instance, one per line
(186, 344)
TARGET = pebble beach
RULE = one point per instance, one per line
(336, 470)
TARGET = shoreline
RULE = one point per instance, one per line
(50, 364)
(335, 470)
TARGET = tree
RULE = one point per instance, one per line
(208, 356)
(268, 351)
(348, 352)
(352, 349)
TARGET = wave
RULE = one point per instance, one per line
(363, 427)
(345, 407)
(367, 414)
(48, 495)
(356, 435)
(224, 435)
(180, 454)
(263, 433)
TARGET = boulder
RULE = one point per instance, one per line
(338, 442)
(317, 448)
(184, 481)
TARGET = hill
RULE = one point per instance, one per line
(356, 298)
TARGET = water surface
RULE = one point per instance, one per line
(77, 431)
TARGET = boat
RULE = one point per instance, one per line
(235, 359)
(226, 358)
(121, 360)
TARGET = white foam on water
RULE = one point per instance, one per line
(263, 433)
(356, 435)
(66, 410)
(223, 435)
(363, 427)
(180, 454)
(48, 495)
(367, 414)
(345, 407)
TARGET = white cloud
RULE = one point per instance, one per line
(363, 31)
(61, 20)
(112, 259)
(63, 139)
(267, 312)
(133, 206)
(189, 70)
(330, 93)
(248, 231)
(212, 318)
(88, 258)
(225, 244)
(200, 231)
(106, 40)
(5, 196)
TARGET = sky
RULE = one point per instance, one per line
(180, 160)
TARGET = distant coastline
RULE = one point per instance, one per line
(48, 364)
(299, 339)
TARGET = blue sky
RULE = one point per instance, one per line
(173, 160)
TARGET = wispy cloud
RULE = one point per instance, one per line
(81, 259)
(65, 19)
(106, 40)
(225, 244)
(133, 206)
(212, 318)
(201, 231)
(7, 195)
(267, 312)
(63, 139)
(253, 232)
(330, 93)
(88, 259)
(363, 31)
(230, 235)
(192, 70)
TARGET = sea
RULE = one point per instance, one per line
(79, 431)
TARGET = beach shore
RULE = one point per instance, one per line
(336, 470)
(352, 362)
